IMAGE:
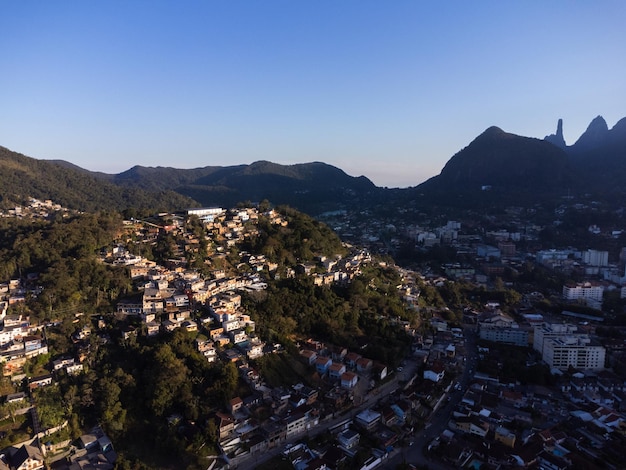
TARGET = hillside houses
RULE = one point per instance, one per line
(207, 304)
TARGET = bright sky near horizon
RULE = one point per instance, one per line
(389, 90)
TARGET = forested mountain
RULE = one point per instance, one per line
(515, 170)
(312, 187)
(22, 177)
(502, 167)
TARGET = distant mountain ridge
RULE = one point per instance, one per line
(311, 187)
(497, 167)
(513, 168)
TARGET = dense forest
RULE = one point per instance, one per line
(74, 188)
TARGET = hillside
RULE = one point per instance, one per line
(500, 165)
(22, 176)
(310, 187)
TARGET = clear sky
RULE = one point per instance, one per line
(386, 89)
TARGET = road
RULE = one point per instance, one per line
(251, 461)
(439, 419)
(437, 423)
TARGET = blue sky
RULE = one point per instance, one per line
(389, 90)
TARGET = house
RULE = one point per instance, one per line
(225, 424)
(550, 461)
(254, 349)
(74, 369)
(235, 404)
(505, 436)
(348, 438)
(322, 364)
(190, 325)
(351, 359)
(40, 381)
(308, 356)
(274, 432)
(28, 457)
(389, 417)
(472, 425)
(301, 419)
(128, 331)
(401, 410)
(349, 380)
(238, 336)
(435, 372)
(336, 369)
(364, 364)
(338, 353)
(62, 363)
(379, 371)
(15, 397)
(152, 328)
(368, 419)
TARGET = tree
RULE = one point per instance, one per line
(168, 378)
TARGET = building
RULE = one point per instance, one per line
(502, 329)
(435, 372)
(368, 419)
(549, 331)
(575, 351)
(487, 251)
(349, 380)
(583, 291)
(552, 258)
(514, 336)
(206, 214)
(596, 258)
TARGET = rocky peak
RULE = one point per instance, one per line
(557, 139)
(595, 135)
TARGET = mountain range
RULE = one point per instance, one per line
(495, 166)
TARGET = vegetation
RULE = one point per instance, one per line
(351, 316)
(74, 188)
(61, 257)
(300, 241)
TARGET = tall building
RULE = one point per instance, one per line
(575, 351)
(501, 329)
(550, 331)
(583, 291)
(596, 258)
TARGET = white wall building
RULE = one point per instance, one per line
(576, 351)
(549, 331)
(583, 291)
(596, 258)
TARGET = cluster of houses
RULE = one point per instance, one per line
(36, 209)
(383, 421)
(19, 341)
(574, 423)
(91, 450)
(508, 425)
(344, 378)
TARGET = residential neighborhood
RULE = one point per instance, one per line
(500, 382)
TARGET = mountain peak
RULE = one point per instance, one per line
(493, 131)
(595, 135)
(557, 139)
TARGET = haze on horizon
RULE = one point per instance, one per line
(390, 91)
